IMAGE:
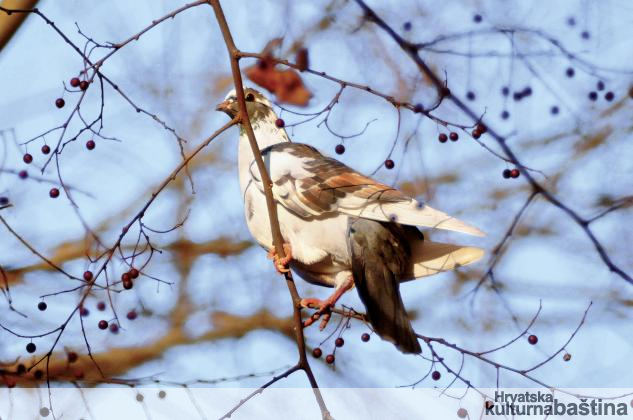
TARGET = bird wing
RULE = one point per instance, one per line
(312, 185)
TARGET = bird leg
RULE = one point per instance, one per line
(281, 264)
(324, 307)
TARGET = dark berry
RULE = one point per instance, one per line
(162, 394)
(505, 91)
(30, 348)
(453, 136)
(407, 26)
(593, 96)
(436, 375)
(53, 193)
(21, 369)
(554, 110)
(127, 285)
(90, 144)
(126, 277)
(74, 82)
(339, 149)
(72, 357)
(83, 85)
(505, 115)
(339, 342)
(570, 72)
(114, 328)
(59, 102)
(445, 91)
(87, 275)
(317, 352)
(631, 92)
(27, 158)
(476, 133)
(134, 273)
(103, 324)
(42, 306)
(470, 95)
(418, 108)
(44, 411)
(101, 306)
(4, 201)
(442, 138)
(46, 149)
(507, 173)
(567, 357)
(532, 339)
(84, 311)
(139, 397)
(280, 123)
(481, 127)
(515, 173)
(600, 85)
(389, 164)
(329, 359)
(517, 96)
(23, 174)
(131, 315)
(462, 413)
(609, 96)
(365, 337)
(571, 21)
(584, 34)
(527, 91)
(39, 374)
(477, 18)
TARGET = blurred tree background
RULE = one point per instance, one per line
(552, 78)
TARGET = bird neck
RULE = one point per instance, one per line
(266, 131)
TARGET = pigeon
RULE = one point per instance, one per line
(341, 229)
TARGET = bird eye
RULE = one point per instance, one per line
(250, 97)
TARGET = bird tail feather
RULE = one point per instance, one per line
(428, 258)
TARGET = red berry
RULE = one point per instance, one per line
(389, 164)
(442, 138)
(609, 96)
(103, 324)
(27, 158)
(567, 357)
(78, 373)
(329, 359)
(42, 306)
(515, 173)
(532, 339)
(114, 328)
(600, 85)
(134, 273)
(317, 352)
(365, 337)
(436, 375)
(39, 374)
(53, 193)
(462, 413)
(631, 92)
(339, 149)
(481, 127)
(476, 133)
(90, 144)
(30, 348)
(453, 136)
(280, 123)
(126, 277)
(21, 369)
(72, 357)
(418, 108)
(477, 18)
(84, 311)
(127, 285)
(132, 315)
(23, 174)
(507, 173)
(4, 201)
(87, 275)
(593, 96)
(83, 85)
(74, 82)
(570, 72)
(339, 342)
(59, 102)
(9, 382)
(46, 149)
(101, 306)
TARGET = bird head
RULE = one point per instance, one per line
(257, 105)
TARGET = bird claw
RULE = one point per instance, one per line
(281, 264)
(324, 311)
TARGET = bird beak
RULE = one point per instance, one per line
(226, 107)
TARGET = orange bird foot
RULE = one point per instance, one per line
(324, 307)
(281, 264)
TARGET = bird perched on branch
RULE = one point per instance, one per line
(341, 229)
